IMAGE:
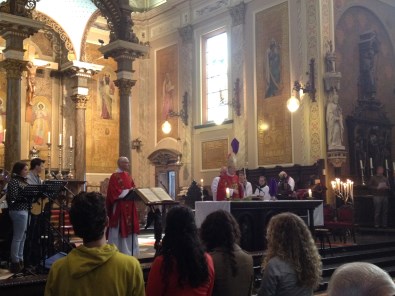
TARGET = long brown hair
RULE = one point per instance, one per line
(289, 239)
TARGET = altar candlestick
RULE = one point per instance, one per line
(371, 163)
(201, 182)
(71, 142)
(360, 164)
(227, 193)
(60, 139)
(5, 132)
(310, 193)
(49, 138)
(386, 165)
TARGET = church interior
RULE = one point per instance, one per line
(180, 87)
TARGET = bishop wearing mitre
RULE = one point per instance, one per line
(229, 186)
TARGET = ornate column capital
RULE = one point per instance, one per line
(237, 13)
(80, 101)
(14, 68)
(121, 49)
(124, 86)
(23, 8)
(186, 33)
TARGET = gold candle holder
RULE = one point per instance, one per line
(49, 176)
(59, 176)
(70, 174)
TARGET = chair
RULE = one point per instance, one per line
(343, 224)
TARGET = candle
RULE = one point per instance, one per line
(371, 163)
(227, 193)
(201, 182)
(323, 172)
(386, 165)
(360, 164)
(310, 193)
(60, 139)
(71, 141)
(49, 138)
(5, 132)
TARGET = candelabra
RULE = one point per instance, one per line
(362, 176)
(59, 175)
(70, 174)
(49, 175)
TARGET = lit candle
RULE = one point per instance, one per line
(323, 172)
(5, 133)
(71, 143)
(310, 193)
(371, 163)
(386, 165)
(227, 193)
(360, 164)
(60, 139)
(201, 182)
(49, 138)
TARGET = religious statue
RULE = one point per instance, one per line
(31, 70)
(273, 69)
(334, 122)
(368, 50)
(107, 90)
(167, 96)
(330, 58)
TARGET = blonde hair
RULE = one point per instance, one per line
(290, 239)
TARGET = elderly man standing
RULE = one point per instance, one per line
(124, 225)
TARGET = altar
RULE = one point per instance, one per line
(253, 216)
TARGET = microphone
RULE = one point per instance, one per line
(258, 187)
(53, 175)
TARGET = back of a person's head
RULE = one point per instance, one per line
(181, 245)
(88, 215)
(220, 230)
(360, 279)
(290, 239)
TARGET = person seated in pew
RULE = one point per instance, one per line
(183, 267)
(262, 190)
(360, 279)
(94, 268)
(292, 265)
(233, 267)
(247, 187)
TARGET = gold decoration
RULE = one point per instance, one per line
(80, 101)
(14, 68)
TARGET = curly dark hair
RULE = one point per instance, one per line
(221, 230)
(17, 168)
(88, 215)
(181, 245)
(290, 239)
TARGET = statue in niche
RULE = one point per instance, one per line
(334, 122)
(368, 50)
(273, 69)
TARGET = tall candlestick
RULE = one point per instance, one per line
(386, 164)
(71, 142)
(360, 164)
(49, 138)
(201, 182)
(60, 139)
(49, 175)
(371, 163)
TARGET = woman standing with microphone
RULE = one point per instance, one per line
(18, 211)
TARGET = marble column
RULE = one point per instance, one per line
(81, 74)
(14, 29)
(124, 53)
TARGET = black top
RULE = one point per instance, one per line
(15, 200)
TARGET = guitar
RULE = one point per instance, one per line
(39, 206)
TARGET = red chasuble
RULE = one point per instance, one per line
(231, 182)
(125, 211)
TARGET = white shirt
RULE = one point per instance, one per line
(247, 189)
(291, 183)
(263, 192)
(214, 187)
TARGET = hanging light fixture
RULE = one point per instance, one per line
(166, 127)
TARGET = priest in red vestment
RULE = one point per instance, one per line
(124, 223)
(229, 181)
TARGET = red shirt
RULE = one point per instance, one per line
(231, 182)
(156, 286)
(125, 212)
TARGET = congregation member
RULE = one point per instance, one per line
(183, 267)
(262, 190)
(292, 265)
(233, 267)
(380, 186)
(124, 223)
(229, 186)
(360, 279)
(94, 268)
(247, 187)
(18, 207)
(214, 184)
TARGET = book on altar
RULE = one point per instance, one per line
(154, 195)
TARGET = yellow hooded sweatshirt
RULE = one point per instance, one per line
(95, 271)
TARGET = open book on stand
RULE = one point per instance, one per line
(155, 195)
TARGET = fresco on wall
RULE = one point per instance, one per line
(167, 90)
(352, 23)
(40, 121)
(272, 83)
(102, 121)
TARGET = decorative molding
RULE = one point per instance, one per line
(88, 26)
(124, 86)
(237, 13)
(186, 33)
(164, 157)
(14, 68)
(208, 9)
(165, 27)
(80, 101)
